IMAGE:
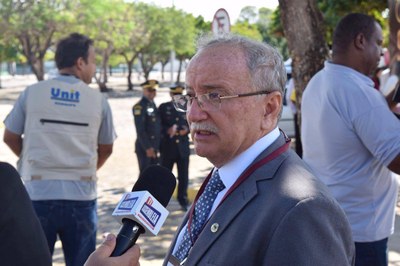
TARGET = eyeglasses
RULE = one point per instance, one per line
(208, 101)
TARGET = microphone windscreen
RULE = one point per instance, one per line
(158, 181)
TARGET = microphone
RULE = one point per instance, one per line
(143, 211)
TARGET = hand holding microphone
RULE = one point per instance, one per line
(142, 211)
(101, 256)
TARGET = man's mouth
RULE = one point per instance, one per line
(203, 132)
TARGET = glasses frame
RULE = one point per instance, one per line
(190, 99)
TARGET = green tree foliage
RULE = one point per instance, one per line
(183, 38)
(106, 22)
(163, 31)
(246, 23)
(334, 10)
(266, 17)
(202, 26)
(248, 14)
(123, 32)
(247, 29)
(154, 40)
(133, 42)
(7, 52)
(34, 24)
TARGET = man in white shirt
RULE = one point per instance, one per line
(351, 139)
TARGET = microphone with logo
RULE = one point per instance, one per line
(143, 211)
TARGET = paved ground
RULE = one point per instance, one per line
(120, 172)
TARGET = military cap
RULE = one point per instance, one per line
(150, 84)
(176, 89)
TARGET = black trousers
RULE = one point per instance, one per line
(372, 253)
(183, 176)
(144, 161)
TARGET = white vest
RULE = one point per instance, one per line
(61, 130)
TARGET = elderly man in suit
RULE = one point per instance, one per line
(260, 205)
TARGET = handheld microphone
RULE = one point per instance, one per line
(142, 211)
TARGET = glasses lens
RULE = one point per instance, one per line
(210, 100)
(180, 102)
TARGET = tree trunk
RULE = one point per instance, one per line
(34, 49)
(146, 75)
(129, 63)
(102, 86)
(179, 71)
(103, 69)
(162, 70)
(146, 68)
(11, 68)
(303, 27)
(38, 68)
(103, 77)
(130, 84)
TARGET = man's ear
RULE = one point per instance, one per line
(272, 109)
(80, 62)
(360, 41)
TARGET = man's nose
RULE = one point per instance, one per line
(195, 112)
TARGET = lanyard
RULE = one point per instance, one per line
(240, 180)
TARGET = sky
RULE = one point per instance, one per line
(207, 8)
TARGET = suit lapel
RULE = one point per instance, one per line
(234, 203)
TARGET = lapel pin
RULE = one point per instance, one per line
(214, 227)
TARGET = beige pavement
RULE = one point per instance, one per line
(120, 172)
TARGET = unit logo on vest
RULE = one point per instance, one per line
(65, 97)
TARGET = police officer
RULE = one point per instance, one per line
(148, 126)
(175, 143)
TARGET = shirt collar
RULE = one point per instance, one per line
(348, 71)
(69, 78)
(231, 171)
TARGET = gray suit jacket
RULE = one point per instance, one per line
(280, 215)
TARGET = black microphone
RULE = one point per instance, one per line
(143, 209)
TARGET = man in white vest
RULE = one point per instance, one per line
(62, 131)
